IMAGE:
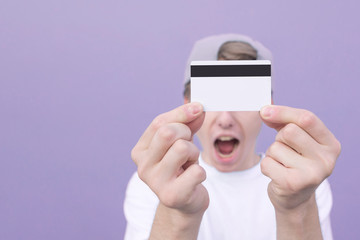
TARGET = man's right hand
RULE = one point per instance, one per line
(167, 160)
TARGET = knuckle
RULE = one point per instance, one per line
(169, 197)
(158, 122)
(264, 165)
(330, 169)
(313, 175)
(194, 151)
(199, 173)
(141, 160)
(307, 119)
(134, 155)
(166, 133)
(315, 179)
(329, 163)
(181, 146)
(290, 186)
(294, 184)
(141, 170)
(337, 147)
(289, 131)
(276, 190)
(188, 134)
(329, 157)
(274, 148)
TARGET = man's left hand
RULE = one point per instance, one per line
(302, 156)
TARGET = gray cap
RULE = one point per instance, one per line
(206, 49)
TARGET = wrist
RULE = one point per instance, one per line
(179, 225)
(301, 222)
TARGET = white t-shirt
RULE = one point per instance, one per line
(239, 208)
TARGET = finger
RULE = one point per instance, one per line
(273, 169)
(283, 154)
(182, 152)
(170, 167)
(187, 113)
(186, 192)
(299, 140)
(287, 181)
(196, 124)
(278, 116)
(187, 182)
(164, 138)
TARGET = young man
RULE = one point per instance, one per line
(228, 191)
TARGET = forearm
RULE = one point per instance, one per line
(300, 223)
(172, 224)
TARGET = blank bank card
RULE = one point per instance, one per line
(231, 85)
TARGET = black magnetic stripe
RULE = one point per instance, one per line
(231, 70)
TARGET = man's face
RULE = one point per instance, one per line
(228, 139)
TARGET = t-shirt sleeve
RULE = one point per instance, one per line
(324, 201)
(139, 208)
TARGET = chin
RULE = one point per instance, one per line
(225, 164)
(225, 168)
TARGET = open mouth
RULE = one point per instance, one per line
(225, 146)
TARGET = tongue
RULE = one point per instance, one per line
(225, 147)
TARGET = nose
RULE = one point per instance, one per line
(225, 120)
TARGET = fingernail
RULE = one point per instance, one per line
(267, 111)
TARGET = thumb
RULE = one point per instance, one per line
(196, 124)
(267, 114)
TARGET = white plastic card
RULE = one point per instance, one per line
(231, 85)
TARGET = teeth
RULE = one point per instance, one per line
(225, 138)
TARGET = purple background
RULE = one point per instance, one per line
(80, 81)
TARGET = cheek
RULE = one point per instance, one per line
(256, 127)
(253, 125)
(203, 132)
